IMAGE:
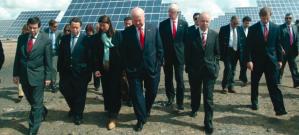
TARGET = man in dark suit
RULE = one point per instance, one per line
(173, 32)
(264, 55)
(143, 53)
(75, 69)
(243, 69)
(1, 55)
(230, 40)
(55, 36)
(290, 45)
(202, 65)
(32, 68)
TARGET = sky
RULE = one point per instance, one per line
(10, 9)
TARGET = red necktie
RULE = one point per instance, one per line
(141, 37)
(266, 33)
(29, 45)
(173, 29)
(291, 36)
(204, 40)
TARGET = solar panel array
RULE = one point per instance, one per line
(4, 26)
(16, 27)
(279, 9)
(117, 10)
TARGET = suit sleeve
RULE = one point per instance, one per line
(187, 51)
(278, 45)
(159, 48)
(60, 54)
(48, 60)
(17, 63)
(248, 45)
(2, 57)
(98, 51)
(220, 42)
(216, 49)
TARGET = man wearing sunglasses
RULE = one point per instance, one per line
(289, 43)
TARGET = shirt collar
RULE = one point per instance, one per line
(141, 28)
(267, 24)
(76, 36)
(176, 20)
(34, 37)
(203, 31)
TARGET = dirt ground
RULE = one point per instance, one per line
(232, 113)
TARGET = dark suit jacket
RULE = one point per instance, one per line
(139, 60)
(285, 39)
(115, 59)
(80, 62)
(36, 66)
(173, 47)
(224, 36)
(197, 57)
(258, 51)
(1, 55)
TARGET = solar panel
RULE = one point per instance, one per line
(279, 9)
(15, 29)
(4, 26)
(90, 10)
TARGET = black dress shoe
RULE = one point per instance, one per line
(180, 107)
(139, 126)
(19, 99)
(280, 113)
(53, 88)
(193, 114)
(254, 107)
(169, 102)
(209, 130)
(296, 85)
(45, 113)
(78, 120)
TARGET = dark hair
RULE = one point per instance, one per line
(297, 22)
(195, 14)
(246, 18)
(52, 22)
(288, 14)
(76, 20)
(106, 19)
(66, 26)
(89, 27)
(34, 20)
(265, 11)
(233, 18)
(127, 18)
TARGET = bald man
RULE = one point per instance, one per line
(173, 34)
(143, 56)
(202, 65)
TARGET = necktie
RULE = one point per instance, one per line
(235, 44)
(173, 29)
(30, 45)
(141, 37)
(204, 40)
(73, 43)
(291, 35)
(265, 32)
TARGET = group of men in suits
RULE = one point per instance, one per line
(145, 49)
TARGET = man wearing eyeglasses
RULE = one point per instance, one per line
(289, 43)
(54, 35)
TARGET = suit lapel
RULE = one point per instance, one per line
(198, 38)
(271, 31)
(36, 43)
(134, 32)
(179, 28)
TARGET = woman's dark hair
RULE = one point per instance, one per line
(66, 27)
(106, 19)
(89, 27)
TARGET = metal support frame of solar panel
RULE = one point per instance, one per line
(15, 29)
(117, 10)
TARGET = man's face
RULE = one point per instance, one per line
(246, 24)
(75, 28)
(128, 23)
(195, 19)
(138, 21)
(266, 18)
(172, 14)
(288, 20)
(204, 22)
(234, 23)
(33, 29)
(54, 27)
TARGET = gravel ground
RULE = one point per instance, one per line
(232, 113)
